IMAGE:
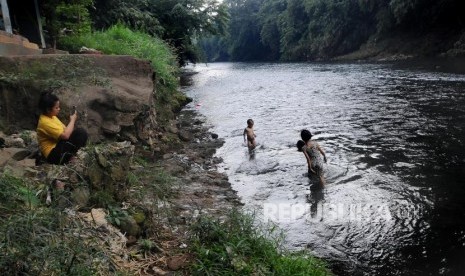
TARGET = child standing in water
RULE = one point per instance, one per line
(313, 153)
(250, 134)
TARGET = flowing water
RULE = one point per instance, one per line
(394, 199)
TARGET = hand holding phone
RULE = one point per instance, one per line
(73, 110)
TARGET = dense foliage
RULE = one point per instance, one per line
(178, 22)
(65, 17)
(315, 29)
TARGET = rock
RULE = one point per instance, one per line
(99, 217)
(214, 136)
(7, 154)
(2, 142)
(80, 196)
(167, 156)
(173, 167)
(14, 142)
(172, 127)
(110, 128)
(129, 226)
(20, 155)
(177, 262)
(108, 167)
(130, 137)
(139, 217)
(92, 51)
(29, 137)
(159, 271)
(185, 136)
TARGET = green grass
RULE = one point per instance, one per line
(52, 74)
(120, 40)
(237, 246)
(38, 240)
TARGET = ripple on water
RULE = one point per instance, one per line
(394, 141)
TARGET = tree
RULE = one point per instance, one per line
(271, 19)
(179, 22)
(244, 31)
(184, 21)
(65, 17)
(133, 13)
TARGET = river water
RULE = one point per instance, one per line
(394, 201)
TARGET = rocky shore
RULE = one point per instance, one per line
(200, 189)
(149, 231)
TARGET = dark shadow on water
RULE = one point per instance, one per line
(251, 154)
(315, 197)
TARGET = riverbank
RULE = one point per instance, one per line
(398, 47)
(134, 210)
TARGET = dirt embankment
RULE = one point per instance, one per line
(114, 95)
(149, 180)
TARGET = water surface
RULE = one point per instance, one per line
(394, 202)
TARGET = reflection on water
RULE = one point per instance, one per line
(394, 202)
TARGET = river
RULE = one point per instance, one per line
(394, 201)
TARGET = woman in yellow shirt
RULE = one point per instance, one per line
(57, 142)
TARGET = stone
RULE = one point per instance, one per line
(95, 176)
(185, 136)
(172, 128)
(110, 128)
(139, 217)
(130, 137)
(177, 262)
(92, 51)
(80, 196)
(108, 166)
(214, 136)
(129, 226)
(167, 156)
(14, 142)
(7, 154)
(20, 155)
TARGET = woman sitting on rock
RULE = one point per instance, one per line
(57, 142)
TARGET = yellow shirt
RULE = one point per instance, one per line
(48, 133)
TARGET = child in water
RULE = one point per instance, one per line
(313, 153)
(250, 134)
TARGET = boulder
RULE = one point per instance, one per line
(185, 136)
(108, 166)
(129, 226)
(7, 154)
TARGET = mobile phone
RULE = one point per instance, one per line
(73, 110)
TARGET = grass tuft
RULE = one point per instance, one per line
(236, 246)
